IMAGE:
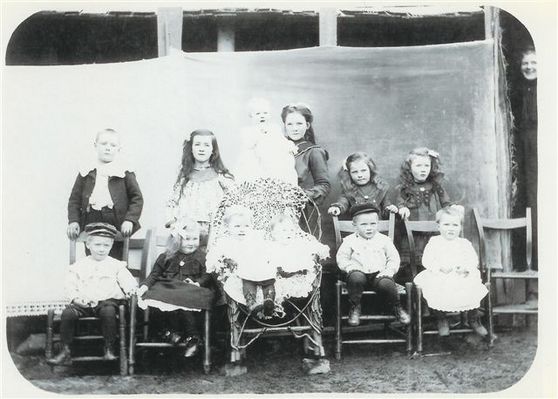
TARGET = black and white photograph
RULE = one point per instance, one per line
(388, 240)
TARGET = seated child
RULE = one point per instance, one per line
(451, 280)
(294, 254)
(96, 285)
(369, 260)
(105, 191)
(240, 250)
(264, 151)
(178, 285)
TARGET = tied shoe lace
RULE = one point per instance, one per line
(354, 316)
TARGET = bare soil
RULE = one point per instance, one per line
(275, 366)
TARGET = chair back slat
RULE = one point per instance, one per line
(421, 226)
(504, 225)
(345, 227)
(151, 249)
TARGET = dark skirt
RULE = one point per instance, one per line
(181, 294)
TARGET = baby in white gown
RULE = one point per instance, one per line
(264, 151)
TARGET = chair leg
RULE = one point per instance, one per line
(409, 291)
(419, 320)
(490, 315)
(207, 343)
(338, 338)
(122, 323)
(49, 334)
(132, 336)
(146, 325)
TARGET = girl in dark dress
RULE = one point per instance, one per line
(179, 286)
(310, 158)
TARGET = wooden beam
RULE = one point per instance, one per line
(169, 29)
(225, 35)
(328, 27)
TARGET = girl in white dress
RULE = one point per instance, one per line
(201, 182)
(451, 281)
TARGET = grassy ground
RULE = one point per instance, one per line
(274, 366)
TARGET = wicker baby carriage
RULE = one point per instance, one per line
(298, 297)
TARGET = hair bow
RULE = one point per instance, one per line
(433, 154)
(344, 165)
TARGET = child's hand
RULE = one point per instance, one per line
(404, 212)
(461, 271)
(446, 269)
(141, 290)
(73, 230)
(333, 210)
(126, 228)
(169, 224)
(80, 302)
(384, 273)
(392, 208)
(231, 264)
(188, 280)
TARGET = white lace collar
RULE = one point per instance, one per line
(116, 168)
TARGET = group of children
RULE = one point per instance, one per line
(106, 197)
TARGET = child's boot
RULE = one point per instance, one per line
(109, 354)
(354, 315)
(443, 324)
(475, 324)
(251, 302)
(401, 315)
(63, 358)
(269, 301)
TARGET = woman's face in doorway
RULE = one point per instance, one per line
(529, 66)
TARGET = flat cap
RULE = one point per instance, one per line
(101, 230)
(363, 208)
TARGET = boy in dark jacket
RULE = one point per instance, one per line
(105, 192)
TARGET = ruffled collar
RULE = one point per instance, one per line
(112, 169)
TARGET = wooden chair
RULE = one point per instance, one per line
(85, 325)
(143, 339)
(342, 229)
(459, 327)
(508, 272)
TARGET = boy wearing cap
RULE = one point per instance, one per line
(368, 259)
(95, 286)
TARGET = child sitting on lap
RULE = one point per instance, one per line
(451, 281)
(96, 285)
(178, 286)
(369, 260)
